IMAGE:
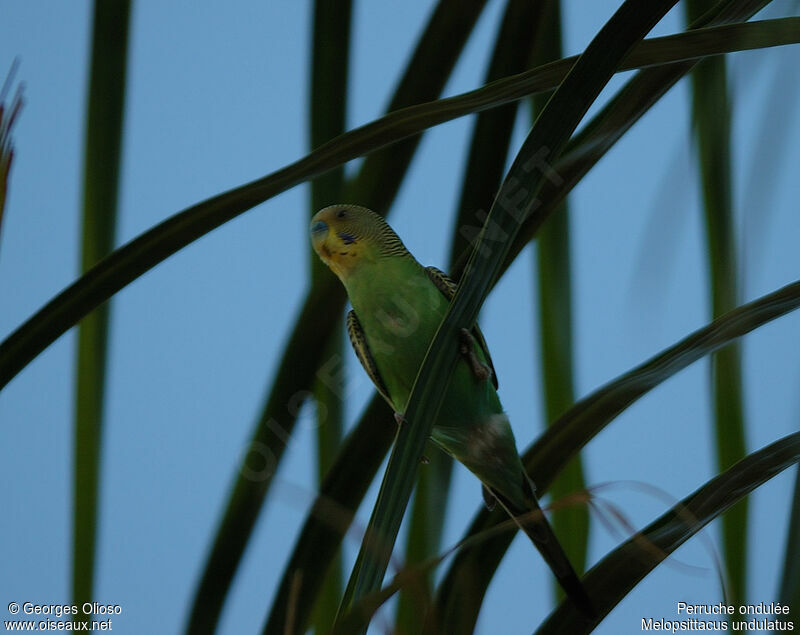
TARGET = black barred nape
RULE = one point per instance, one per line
(353, 219)
(390, 242)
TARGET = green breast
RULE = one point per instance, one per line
(399, 309)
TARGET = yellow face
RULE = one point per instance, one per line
(339, 235)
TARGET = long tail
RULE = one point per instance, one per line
(540, 532)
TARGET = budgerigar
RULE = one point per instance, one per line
(397, 307)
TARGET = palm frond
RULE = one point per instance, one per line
(516, 198)
(133, 259)
(576, 427)
(554, 286)
(328, 108)
(611, 579)
(304, 354)
(100, 192)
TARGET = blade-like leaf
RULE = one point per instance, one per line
(330, 423)
(100, 187)
(312, 530)
(330, 57)
(547, 457)
(616, 574)
(143, 253)
(330, 516)
(300, 361)
(516, 199)
(554, 285)
(359, 615)
(616, 118)
(285, 578)
(484, 170)
(435, 55)
(491, 135)
(424, 538)
(712, 127)
(304, 355)
(765, 157)
(350, 479)
(612, 578)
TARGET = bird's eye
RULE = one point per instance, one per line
(341, 214)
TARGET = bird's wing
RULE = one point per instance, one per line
(359, 342)
(448, 289)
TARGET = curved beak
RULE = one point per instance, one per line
(319, 229)
(319, 235)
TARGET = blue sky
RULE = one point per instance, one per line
(213, 101)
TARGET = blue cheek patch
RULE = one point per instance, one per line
(348, 239)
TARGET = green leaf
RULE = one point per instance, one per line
(303, 357)
(484, 171)
(712, 127)
(300, 361)
(613, 577)
(587, 151)
(491, 134)
(424, 538)
(516, 199)
(100, 192)
(330, 517)
(359, 615)
(330, 57)
(560, 442)
(330, 416)
(616, 574)
(143, 253)
(435, 55)
(620, 113)
(571, 523)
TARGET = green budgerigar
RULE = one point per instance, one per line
(397, 307)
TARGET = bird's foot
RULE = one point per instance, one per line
(481, 371)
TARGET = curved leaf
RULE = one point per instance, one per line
(434, 57)
(143, 253)
(469, 575)
(554, 287)
(637, 96)
(340, 494)
(616, 574)
(711, 122)
(486, 163)
(101, 168)
(515, 200)
(300, 360)
(328, 106)
(304, 354)
(353, 477)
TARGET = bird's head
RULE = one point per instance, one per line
(346, 236)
